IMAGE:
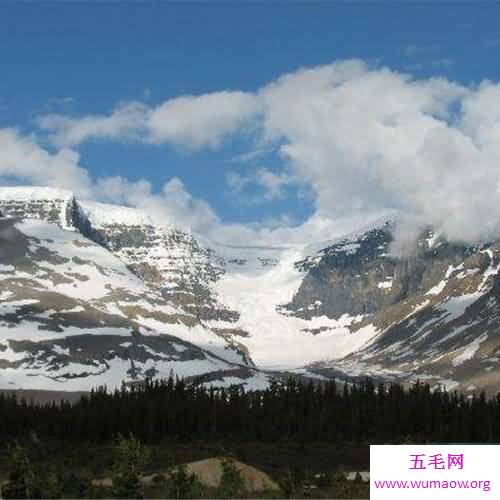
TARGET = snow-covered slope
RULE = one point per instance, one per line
(94, 293)
(73, 316)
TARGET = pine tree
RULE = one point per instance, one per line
(50, 486)
(21, 482)
(129, 459)
(231, 483)
(180, 484)
(292, 483)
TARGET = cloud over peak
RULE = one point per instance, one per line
(363, 139)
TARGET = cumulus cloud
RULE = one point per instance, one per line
(201, 121)
(364, 139)
(368, 139)
(190, 122)
(172, 205)
(21, 158)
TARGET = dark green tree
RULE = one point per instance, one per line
(21, 481)
(130, 457)
(49, 485)
(180, 484)
(292, 483)
(231, 483)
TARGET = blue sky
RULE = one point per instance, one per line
(79, 59)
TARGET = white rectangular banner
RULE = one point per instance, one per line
(434, 472)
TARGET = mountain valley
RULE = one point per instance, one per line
(95, 294)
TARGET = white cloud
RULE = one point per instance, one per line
(191, 122)
(273, 184)
(126, 122)
(368, 139)
(23, 159)
(364, 139)
(172, 205)
(201, 121)
(343, 127)
(237, 182)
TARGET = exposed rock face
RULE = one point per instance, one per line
(95, 294)
(362, 277)
(46, 204)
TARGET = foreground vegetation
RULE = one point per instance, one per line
(302, 434)
(49, 469)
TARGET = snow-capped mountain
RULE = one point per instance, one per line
(75, 314)
(93, 294)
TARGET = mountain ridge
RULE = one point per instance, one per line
(348, 309)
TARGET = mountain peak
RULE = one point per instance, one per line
(38, 202)
(52, 205)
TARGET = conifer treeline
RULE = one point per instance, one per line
(294, 410)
